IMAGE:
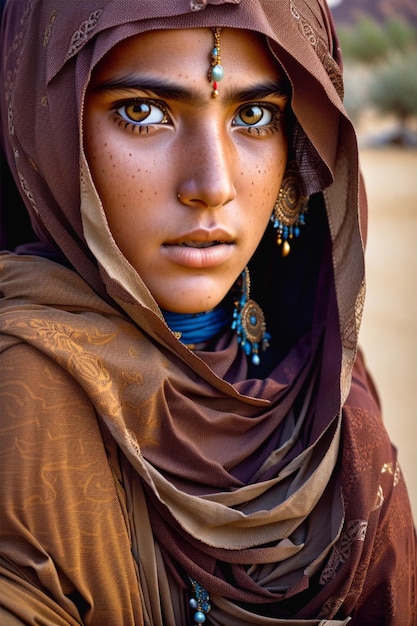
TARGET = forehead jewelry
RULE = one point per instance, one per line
(215, 73)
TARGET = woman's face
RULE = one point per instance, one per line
(188, 181)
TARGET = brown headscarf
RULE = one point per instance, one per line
(281, 494)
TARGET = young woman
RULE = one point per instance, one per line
(189, 433)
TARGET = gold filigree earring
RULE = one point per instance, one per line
(249, 322)
(290, 208)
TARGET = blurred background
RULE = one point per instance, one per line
(379, 44)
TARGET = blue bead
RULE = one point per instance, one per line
(255, 359)
(193, 603)
(217, 73)
(199, 617)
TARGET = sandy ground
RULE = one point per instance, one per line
(389, 329)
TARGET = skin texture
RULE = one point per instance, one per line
(188, 181)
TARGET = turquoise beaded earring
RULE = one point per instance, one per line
(249, 322)
(215, 73)
(290, 208)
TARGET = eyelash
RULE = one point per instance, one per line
(277, 116)
(122, 118)
(139, 127)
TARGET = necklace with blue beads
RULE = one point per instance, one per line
(195, 328)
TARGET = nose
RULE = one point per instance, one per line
(208, 161)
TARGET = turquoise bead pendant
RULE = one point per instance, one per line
(200, 603)
(216, 72)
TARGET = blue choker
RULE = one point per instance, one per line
(194, 328)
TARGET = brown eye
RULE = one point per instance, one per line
(251, 115)
(142, 112)
(258, 115)
(138, 112)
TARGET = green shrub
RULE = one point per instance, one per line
(393, 87)
(400, 35)
(381, 69)
(369, 42)
(366, 42)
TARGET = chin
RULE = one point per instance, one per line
(193, 299)
(188, 310)
(191, 305)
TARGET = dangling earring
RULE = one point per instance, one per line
(215, 73)
(290, 207)
(249, 322)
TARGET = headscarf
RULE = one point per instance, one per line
(324, 138)
(228, 478)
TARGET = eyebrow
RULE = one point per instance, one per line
(170, 91)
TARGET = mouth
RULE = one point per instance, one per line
(202, 244)
(202, 238)
(200, 249)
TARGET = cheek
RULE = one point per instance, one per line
(122, 177)
(262, 186)
(261, 180)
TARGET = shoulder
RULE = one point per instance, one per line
(30, 280)
(367, 448)
(61, 507)
(363, 393)
(37, 396)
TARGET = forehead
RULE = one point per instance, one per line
(186, 54)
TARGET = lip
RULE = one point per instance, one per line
(200, 248)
